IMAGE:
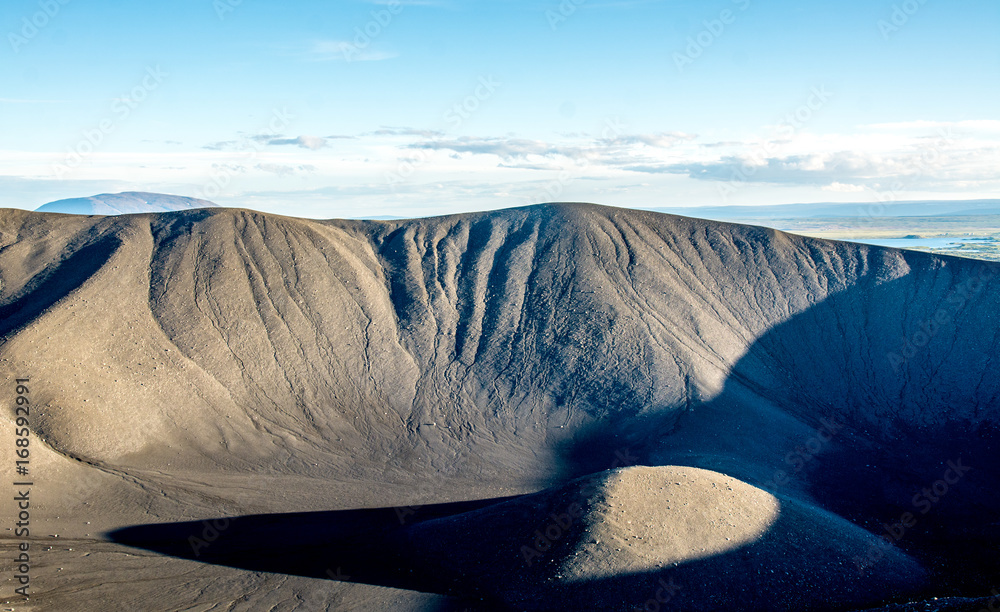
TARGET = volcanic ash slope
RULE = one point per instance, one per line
(674, 538)
(220, 362)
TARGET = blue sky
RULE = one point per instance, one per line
(354, 108)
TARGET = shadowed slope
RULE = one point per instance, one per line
(695, 539)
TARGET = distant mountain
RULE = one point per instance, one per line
(126, 203)
(995, 210)
(922, 208)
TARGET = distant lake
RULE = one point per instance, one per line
(910, 243)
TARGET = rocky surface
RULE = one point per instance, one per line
(216, 363)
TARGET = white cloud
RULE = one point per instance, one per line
(611, 151)
(978, 125)
(405, 131)
(843, 187)
(345, 51)
(286, 170)
(925, 158)
(507, 148)
(657, 139)
(312, 143)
